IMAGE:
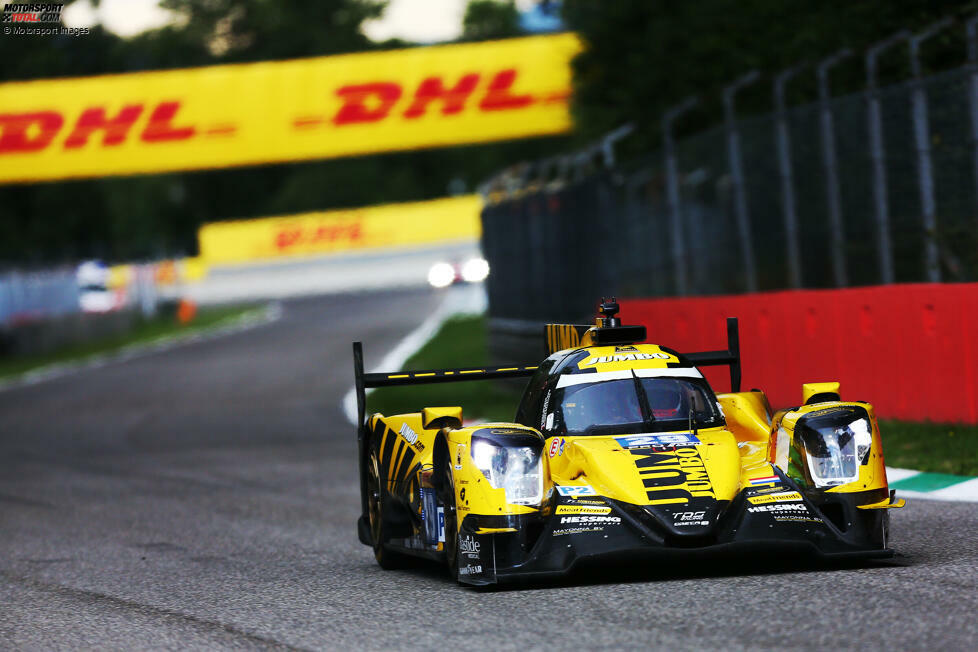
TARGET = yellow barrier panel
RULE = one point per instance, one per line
(323, 232)
(323, 107)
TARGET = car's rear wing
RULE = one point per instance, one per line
(365, 381)
(556, 335)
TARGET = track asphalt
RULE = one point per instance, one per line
(205, 498)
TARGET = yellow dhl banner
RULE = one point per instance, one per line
(323, 107)
(323, 232)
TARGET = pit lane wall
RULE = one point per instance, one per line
(908, 349)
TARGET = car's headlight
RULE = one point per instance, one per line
(441, 275)
(518, 470)
(835, 442)
(475, 270)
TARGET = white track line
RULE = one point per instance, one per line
(464, 300)
(251, 319)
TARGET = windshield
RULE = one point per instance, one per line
(632, 405)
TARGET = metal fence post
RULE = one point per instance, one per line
(925, 169)
(972, 30)
(737, 176)
(829, 161)
(877, 154)
(787, 177)
(672, 193)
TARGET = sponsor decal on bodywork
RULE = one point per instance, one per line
(672, 474)
(785, 496)
(573, 491)
(682, 519)
(582, 509)
(411, 437)
(670, 439)
(588, 519)
(797, 508)
(557, 446)
(469, 547)
(624, 357)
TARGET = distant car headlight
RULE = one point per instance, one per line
(475, 270)
(441, 275)
(835, 444)
(518, 470)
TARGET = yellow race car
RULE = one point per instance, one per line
(618, 449)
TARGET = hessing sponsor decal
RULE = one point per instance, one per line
(590, 520)
(797, 508)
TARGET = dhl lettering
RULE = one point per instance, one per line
(115, 129)
(499, 96)
(672, 476)
(374, 101)
(159, 128)
(366, 102)
(347, 232)
(31, 132)
(453, 99)
(28, 132)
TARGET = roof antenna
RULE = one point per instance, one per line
(609, 311)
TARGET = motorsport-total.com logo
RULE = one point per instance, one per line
(36, 19)
(32, 13)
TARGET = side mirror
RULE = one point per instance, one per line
(434, 418)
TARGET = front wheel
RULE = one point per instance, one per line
(451, 520)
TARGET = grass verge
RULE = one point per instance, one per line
(461, 342)
(145, 331)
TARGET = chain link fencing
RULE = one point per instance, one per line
(557, 244)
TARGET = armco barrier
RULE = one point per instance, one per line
(908, 349)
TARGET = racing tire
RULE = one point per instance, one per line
(376, 497)
(451, 519)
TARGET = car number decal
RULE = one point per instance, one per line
(671, 439)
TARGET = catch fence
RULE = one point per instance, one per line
(871, 188)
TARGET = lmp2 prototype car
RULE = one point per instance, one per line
(618, 448)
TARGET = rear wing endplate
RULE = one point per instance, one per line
(730, 357)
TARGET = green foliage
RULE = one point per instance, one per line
(933, 447)
(490, 19)
(644, 56)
